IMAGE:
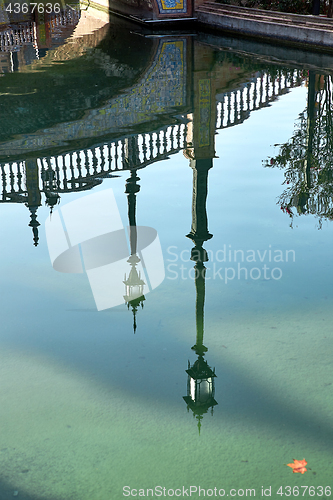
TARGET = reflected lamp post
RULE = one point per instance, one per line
(201, 377)
(34, 195)
(201, 151)
(134, 288)
(200, 382)
(200, 389)
(134, 285)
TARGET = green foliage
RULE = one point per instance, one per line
(307, 158)
(293, 6)
(242, 3)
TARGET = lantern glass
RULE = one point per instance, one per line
(136, 291)
(201, 390)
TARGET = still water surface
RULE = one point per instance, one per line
(111, 129)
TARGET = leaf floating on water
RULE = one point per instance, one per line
(298, 466)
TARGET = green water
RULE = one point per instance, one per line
(89, 407)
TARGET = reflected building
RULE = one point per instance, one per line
(26, 37)
(201, 377)
(128, 114)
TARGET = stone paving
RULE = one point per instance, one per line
(315, 31)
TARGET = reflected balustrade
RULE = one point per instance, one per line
(235, 106)
(82, 169)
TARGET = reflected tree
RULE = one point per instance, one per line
(307, 158)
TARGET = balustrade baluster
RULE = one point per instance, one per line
(78, 164)
(111, 157)
(103, 158)
(41, 167)
(122, 150)
(94, 161)
(20, 177)
(81, 161)
(57, 172)
(116, 156)
(280, 81)
(4, 181)
(150, 145)
(181, 136)
(11, 177)
(253, 95)
(165, 141)
(71, 168)
(131, 151)
(273, 82)
(144, 148)
(87, 160)
(267, 89)
(158, 144)
(261, 90)
(229, 109)
(241, 103)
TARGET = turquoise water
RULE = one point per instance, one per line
(91, 410)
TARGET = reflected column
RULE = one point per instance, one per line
(302, 197)
(34, 195)
(201, 151)
(200, 384)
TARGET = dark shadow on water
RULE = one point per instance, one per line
(8, 492)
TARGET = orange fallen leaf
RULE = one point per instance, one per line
(298, 466)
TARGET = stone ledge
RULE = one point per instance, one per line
(296, 28)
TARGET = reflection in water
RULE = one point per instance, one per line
(200, 385)
(307, 157)
(41, 152)
(120, 104)
(87, 236)
(26, 37)
(200, 152)
(134, 284)
(33, 195)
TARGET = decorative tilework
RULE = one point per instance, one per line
(160, 91)
(172, 6)
(204, 112)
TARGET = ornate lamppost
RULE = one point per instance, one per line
(201, 377)
(134, 285)
(201, 151)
